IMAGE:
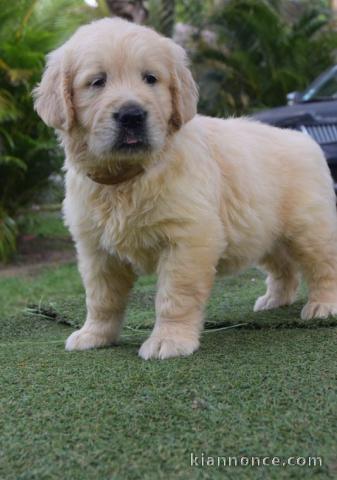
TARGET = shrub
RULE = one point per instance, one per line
(260, 55)
(28, 150)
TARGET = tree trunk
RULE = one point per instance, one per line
(132, 10)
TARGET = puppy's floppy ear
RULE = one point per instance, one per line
(184, 91)
(52, 96)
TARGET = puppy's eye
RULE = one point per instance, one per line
(98, 82)
(149, 78)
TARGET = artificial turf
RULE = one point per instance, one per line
(264, 388)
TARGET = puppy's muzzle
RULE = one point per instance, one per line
(132, 128)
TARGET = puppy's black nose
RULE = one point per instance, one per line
(130, 116)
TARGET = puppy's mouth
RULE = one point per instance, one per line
(130, 140)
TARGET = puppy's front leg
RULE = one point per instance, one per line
(107, 283)
(186, 276)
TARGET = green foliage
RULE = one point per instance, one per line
(193, 11)
(28, 150)
(44, 224)
(260, 56)
(8, 233)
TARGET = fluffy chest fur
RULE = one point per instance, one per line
(131, 229)
(131, 221)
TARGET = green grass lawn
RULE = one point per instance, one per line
(265, 388)
(43, 224)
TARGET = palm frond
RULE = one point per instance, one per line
(262, 55)
(8, 232)
(10, 161)
(29, 153)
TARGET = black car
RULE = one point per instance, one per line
(313, 112)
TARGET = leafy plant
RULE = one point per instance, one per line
(8, 233)
(260, 56)
(28, 150)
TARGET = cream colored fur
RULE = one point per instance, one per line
(216, 195)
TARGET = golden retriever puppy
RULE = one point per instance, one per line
(153, 187)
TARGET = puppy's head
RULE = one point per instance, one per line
(116, 90)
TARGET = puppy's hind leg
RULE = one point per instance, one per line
(317, 254)
(282, 281)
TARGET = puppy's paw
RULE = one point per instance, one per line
(85, 340)
(318, 310)
(157, 346)
(267, 302)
